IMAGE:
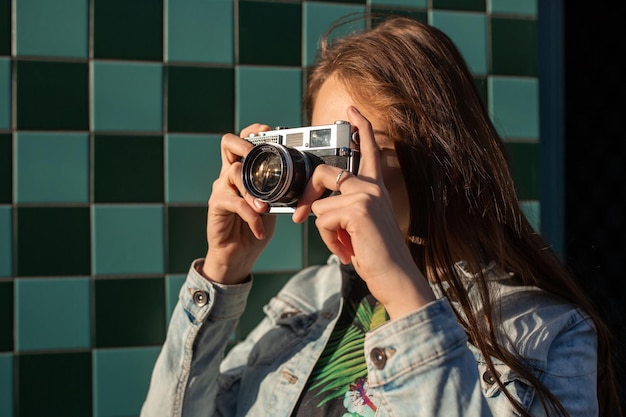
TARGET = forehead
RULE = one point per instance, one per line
(331, 103)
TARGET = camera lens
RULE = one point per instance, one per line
(275, 173)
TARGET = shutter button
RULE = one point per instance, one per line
(200, 298)
(378, 357)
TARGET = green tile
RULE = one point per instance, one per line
(193, 163)
(514, 47)
(52, 95)
(173, 283)
(52, 167)
(52, 28)
(318, 17)
(6, 385)
(344, 1)
(482, 85)
(127, 96)
(115, 396)
(6, 316)
(200, 99)
(6, 168)
(524, 162)
(419, 15)
(128, 29)
(317, 252)
(532, 211)
(129, 312)
(200, 31)
(467, 5)
(270, 33)
(66, 303)
(403, 3)
(128, 169)
(6, 242)
(5, 27)
(469, 33)
(5, 93)
(128, 239)
(514, 106)
(53, 241)
(269, 95)
(65, 390)
(186, 236)
(285, 251)
(522, 7)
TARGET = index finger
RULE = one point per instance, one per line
(369, 164)
(233, 148)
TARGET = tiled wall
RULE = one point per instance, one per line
(111, 113)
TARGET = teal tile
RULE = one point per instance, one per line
(173, 283)
(53, 241)
(116, 396)
(6, 168)
(52, 167)
(129, 312)
(514, 47)
(285, 251)
(514, 105)
(270, 33)
(67, 317)
(521, 7)
(467, 5)
(200, 99)
(52, 28)
(128, 30)
(269, 95)
(318, 17)
(532, 211)
(127, 239)
(6, 242)
(186, 235)
(6, 385)
(52, 95)
(65, 391)
(524, 164)
(200, 31)
(5, 93)
(193, 162)
(127, 96)
(128, 169)
(5, 27)
(469, 32)
(403, 3)
(6, 316)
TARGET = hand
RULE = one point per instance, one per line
(359, 226)
(237, 228)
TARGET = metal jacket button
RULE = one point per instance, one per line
(200, 298)
(378, 357)
(488, 378)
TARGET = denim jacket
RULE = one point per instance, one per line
(419, 365)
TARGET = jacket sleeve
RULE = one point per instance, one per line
(422, 363)
(185, 376)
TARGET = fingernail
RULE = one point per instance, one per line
(259, 204)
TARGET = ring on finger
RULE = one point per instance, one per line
(337, 181)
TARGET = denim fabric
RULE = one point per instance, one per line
(419, 365)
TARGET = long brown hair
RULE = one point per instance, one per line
(462, 197)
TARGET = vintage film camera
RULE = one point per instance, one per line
(277, 169)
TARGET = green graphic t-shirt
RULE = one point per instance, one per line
(338, 384)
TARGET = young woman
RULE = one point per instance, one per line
(439, 299)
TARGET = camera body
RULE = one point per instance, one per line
(277, 169)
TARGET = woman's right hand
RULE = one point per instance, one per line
(238, 229)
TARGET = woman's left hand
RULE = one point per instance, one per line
(359, 226)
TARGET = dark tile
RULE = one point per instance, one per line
(344, 1)
(270, 33)
(6, 316)
(421, 16)
(524, 162)
(53, 241)
(6, 168)
(469, 5)
(128, 29)
(129, 312)
(128, 169)
(186, 228)
(54, 384)
(52, 95)
(514, 47)
(317, 252)
(200, 99)
(5, 27)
